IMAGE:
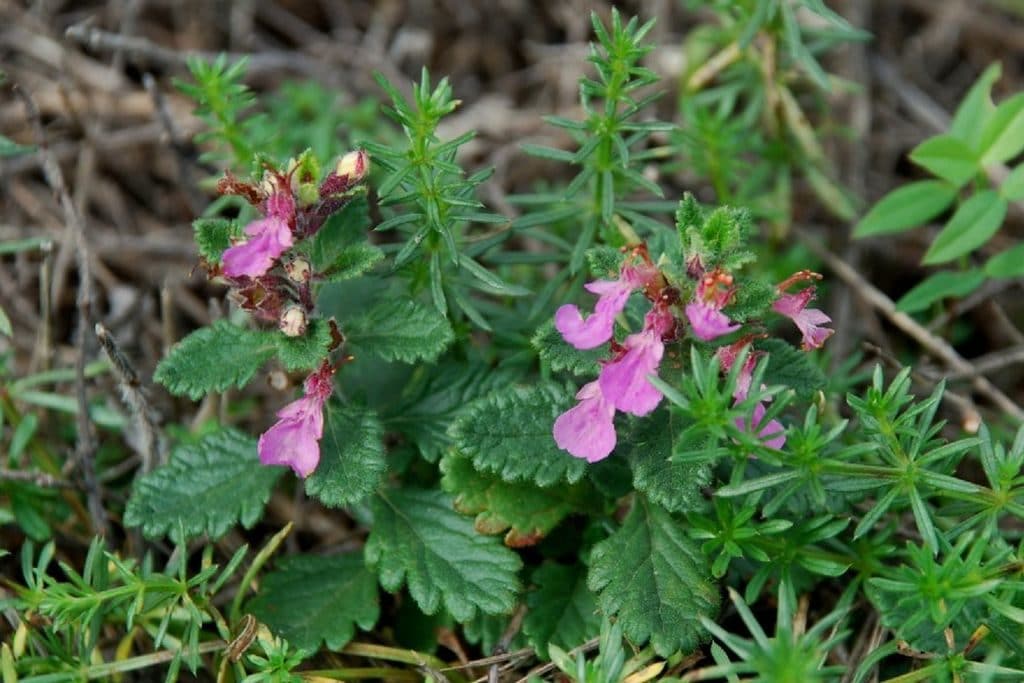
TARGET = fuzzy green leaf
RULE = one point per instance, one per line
(310, 599)
(562, 356)
(308, 351)
(907, 207)
(345, 229)
(676, 486)
(947, 157)
(974, 222)
(655, 578)
(207, 487)
(509, 433)
(352, 462)
(353, 261)
(526, 511)
(791, 367)
(938, 286)
(418, 539)
(1008, 263)
(214, 358)
(563, 611)
(401, 329)
(213, 236)
(436, 395)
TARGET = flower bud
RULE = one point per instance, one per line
(353, 166)
(298, 270)
(293, 322)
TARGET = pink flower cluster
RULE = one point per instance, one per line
(587, 429)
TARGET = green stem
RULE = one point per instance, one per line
(257, 564)
(132, 664)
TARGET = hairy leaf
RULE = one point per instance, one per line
(418, 539)
(207, 487)
(526, 511)
(791, 367)
(213, 236)
(214, 358)
(655, 578)
(676, 486)
(353, 261)
(401, 329)
(509, 433)
(308, 351)
(562, 356)
(310, 599)
(352, 462)
(562, 610)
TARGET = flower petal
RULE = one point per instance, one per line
(624, 381)
(587, 430)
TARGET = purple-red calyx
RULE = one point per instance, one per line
(294, 440)
(714, 290)
(810, 321)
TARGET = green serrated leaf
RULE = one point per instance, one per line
(971, 226)
(947, 157)
(401, 329)
(436, 395)
(525, 511)
(353, 261)
(562, 610)
(655, 579)
(939, 286)
(352, 462)
(345, 228)
(418, 539)
(789, 366)
(509, 433)
(907, 207)
(1003, 136)
(206, 488)
(306, 352)
(310, 599)
(1007, 263)
(213, 236)
(676, 486)
(214, 358)
(562, 356)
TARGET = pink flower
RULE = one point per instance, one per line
(808, 320)
(294, 440)
(269, 237)
(596, 329)
(705, 311)
(587, 429)
(624, 380)
(772, 434)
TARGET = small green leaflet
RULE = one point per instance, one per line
(418, 539)
(352, 462)
(526, 511)
(974, 222)
(308, 351)
(937, 286)
(206, 488)
(10, 148)
(1012, 189)
(655, 578)
(907, 207)
(1008, 263)
(674, 485)
(1003, 136)
(214, 358)
(563, 611)
(509, 433)
(947, 157)
(562, 356)
(975, 110)
(213, 236)
(400, 329)
(309, 599)
(353, 261)
(343, 230)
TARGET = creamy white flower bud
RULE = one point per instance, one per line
(293, 322)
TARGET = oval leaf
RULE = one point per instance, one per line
(971, 226)
(948, 158)
(1009, 263)
(940, 286)
(908, 207)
